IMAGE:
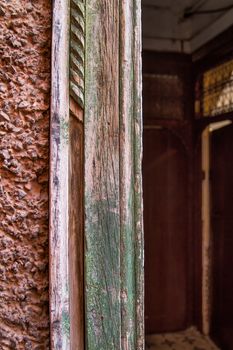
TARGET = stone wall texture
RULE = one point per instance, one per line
(25, 33)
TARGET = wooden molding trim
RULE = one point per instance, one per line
(76, 174)
(113, 190)
(66, 176)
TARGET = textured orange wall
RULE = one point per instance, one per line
(25, 31)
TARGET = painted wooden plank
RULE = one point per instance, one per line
(113, 191)
(59, 281)
(128, 238)
(138, 152)
(102, 234)
(132, 259)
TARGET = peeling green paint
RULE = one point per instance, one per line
(66, 323)
(64, 127)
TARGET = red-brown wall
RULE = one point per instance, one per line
(25, 32)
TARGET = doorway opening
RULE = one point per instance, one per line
(188, 173)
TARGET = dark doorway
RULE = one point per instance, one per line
(222, 230)
(165, 173)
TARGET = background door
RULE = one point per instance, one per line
(165, 179)
(222, 229)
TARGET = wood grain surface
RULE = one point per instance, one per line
(59, 151)
(113, 212)
(113, 235)
(76, 248)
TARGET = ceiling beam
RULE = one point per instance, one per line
(214, 29)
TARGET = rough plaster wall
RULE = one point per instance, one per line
(25, 31)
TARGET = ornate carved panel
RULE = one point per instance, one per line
(77, 56)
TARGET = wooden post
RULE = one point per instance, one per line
(113, 234)
(113, 195)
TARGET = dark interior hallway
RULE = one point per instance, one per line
(188, 180)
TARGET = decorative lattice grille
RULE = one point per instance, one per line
(163, 96)
(214, 91)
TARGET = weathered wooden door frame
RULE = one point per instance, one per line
(113, 229)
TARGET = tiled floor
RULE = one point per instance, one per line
(190, 339)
